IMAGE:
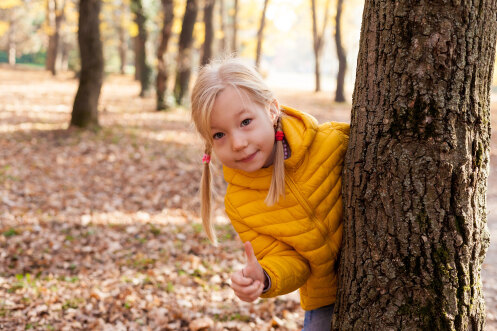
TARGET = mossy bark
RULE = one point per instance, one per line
(85, 109)
(416, 171)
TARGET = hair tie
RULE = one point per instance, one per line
(279, 135)
(206, 158)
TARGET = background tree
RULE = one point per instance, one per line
(234, 37)
(85, 109)
(144, 68)
(222, 27)
(342, 57)
(55, 18)
(318, 40)
(162, 73)
(184, 60)
(209, 31)
(260, 35)
(416, 169)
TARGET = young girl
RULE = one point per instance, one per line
(284, 187)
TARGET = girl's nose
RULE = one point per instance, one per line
(238, 142)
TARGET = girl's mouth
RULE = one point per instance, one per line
(248, 158)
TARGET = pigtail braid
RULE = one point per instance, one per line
(277, 187)
(206, 197)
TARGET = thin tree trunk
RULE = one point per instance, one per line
(12, 42)
(184, 61)
(222, 26)
(85, 109)
(318, 41)
(136, 46)
(123, 40)
(162, 74)
(51, 49)
(209, 31)
(145, 71)
(342, 57)
(260, 36)
(59, 20)
(415, 173)
(234, 42)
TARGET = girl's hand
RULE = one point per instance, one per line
(248, 283)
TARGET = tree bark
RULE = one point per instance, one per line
(85, 109)
(318, 41)
(184, 61)
(145, 71)
(123, 39)
(342, 57)
(209, 31)
(51, 49)
(416, 169)
(162, 74)
(260, 35)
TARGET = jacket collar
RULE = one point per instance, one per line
(300, 129)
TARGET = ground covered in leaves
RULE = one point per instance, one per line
(99, 229)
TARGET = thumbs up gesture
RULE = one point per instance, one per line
(248, 283)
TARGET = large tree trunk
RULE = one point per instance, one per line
(184, 61)
(260, 35)
(318, 41)
(209, 31)
(416, 170)
(145, 71)
(85, 109)
(162, 74)
(342, 57)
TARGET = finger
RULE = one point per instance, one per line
(246, 291)
(240, 280)
(249, 253)
(252, 296)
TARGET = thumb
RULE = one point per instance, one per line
(249, 253)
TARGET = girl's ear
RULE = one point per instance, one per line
(274, 111)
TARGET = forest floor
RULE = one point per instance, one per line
(99, 230)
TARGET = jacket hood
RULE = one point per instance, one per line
(300, 129)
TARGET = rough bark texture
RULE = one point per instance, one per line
(162, 73)
(145, 71)
(209, 31)
(342, 57)
(260, 35)
(184, 61)
(416, 170)
(85, 109)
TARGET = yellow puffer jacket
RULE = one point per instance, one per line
(298, 239)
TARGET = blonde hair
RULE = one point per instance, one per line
(212, 80)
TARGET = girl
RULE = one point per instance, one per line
(284, 187)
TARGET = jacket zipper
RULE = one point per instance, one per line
(305, 204)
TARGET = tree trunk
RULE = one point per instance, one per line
(209, 31)
(416, 169)
(136, 46)
(162, 73)
(342, 57)
(12, 43)
(184, 61)
(85, 109)
(234, 41)
(222, 27)
(260, 36)
(51, 49)
(145, 71)
(318, 41)
(123, 39)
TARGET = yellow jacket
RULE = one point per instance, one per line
(297, 240)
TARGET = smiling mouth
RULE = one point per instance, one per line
(248, 158)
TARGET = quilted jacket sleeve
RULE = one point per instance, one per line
(287, 269)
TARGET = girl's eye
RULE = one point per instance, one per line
(246, 122)
(218, 135)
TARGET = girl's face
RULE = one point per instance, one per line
(242, 130)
